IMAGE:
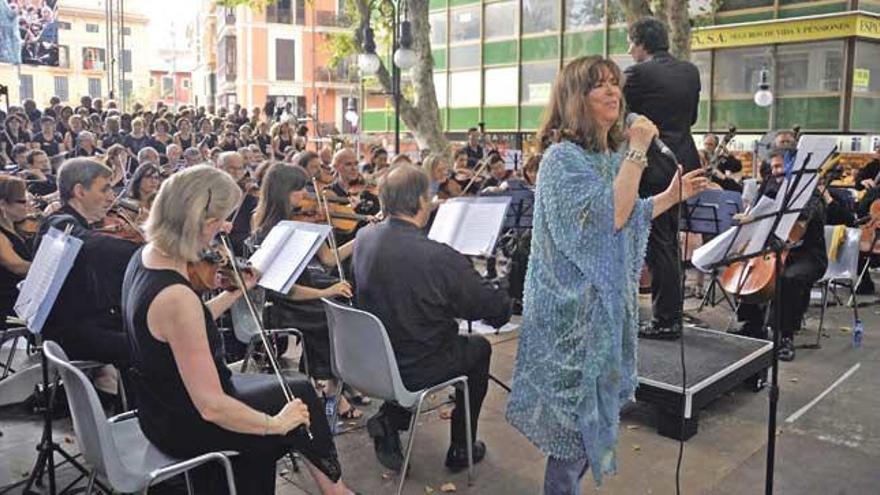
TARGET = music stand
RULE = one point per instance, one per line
(770, 235)
(711, 213)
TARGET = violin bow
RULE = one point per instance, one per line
(252, 309)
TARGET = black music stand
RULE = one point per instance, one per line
(711, 213)
(801, 182)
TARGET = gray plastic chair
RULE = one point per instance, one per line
(361, 355)
(247, 332)
(116, 448)
(843, 272)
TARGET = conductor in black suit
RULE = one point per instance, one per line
(667, 91)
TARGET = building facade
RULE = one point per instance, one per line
(495, 61)
(84, 57)
(171, 88)
(280, 55)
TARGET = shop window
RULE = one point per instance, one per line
(540, 16)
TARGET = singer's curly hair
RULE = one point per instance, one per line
(568, 115)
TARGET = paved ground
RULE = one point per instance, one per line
(831, 448)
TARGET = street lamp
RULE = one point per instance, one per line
(368, 61)
(404, 58)
(351, 115)
(763, 96)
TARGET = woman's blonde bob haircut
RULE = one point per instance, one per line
(185, 202)
(568, 114)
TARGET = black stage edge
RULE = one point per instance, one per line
(717, 362)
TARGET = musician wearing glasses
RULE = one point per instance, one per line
(15, 253)
(189, 401)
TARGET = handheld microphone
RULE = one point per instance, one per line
(630, 120)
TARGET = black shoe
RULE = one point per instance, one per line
(659, 332)
(786, 350)
(386, 443)
(457, 460)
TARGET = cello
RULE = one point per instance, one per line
(754, 280)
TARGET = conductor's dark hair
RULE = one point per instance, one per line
(402, 189)
(651, 34)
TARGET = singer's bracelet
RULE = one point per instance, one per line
(638, 157)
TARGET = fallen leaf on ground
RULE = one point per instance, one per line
(793, 380)
(637, 447)
(68, 439)
(446, 414)
(428, 489)
(447, 487)
(632, 427)
(845, 329)
(386, 476)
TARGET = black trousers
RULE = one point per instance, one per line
(254, 467)
(794, 304)
(470, 355)
(662, 260)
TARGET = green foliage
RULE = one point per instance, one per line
(258, 5)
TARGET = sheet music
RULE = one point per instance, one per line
(48, 271)
(479, 228)
(750, 190)
(447, 221)
(818, 149)
(286, 251)
(470, 225)
(730, 242)
(270, 246)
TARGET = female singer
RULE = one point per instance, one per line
(15, 253)
(281, 194)
(189, 402)
(576, 357)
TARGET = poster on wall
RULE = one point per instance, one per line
(29, 32)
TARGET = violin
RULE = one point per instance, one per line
(30, 225)
(213, 270)
(342, 215)
(118, 224)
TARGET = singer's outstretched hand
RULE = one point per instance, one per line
(691, 184)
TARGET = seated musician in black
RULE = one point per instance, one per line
(15, 251)
(281, 193)
(190, 403)
(804, 265)
(725, 164)
(85, 319)
(417, 288)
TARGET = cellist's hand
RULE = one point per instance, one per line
(339, 289)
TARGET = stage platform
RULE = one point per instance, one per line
(716, 362)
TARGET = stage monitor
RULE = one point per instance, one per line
(29, 32)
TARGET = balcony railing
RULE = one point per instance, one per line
(328, 18)
(340, 75)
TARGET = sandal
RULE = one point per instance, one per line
(351, 414)
(356, 398)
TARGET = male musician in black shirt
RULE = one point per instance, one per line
(473, 149)
(417, 288)
(667, 91)
(85, 319)
(722, 164)
(804, 265)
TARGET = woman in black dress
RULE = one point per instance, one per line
(282, 138)
(189, 402)
(184, 136)
(282, 190)
(15, 253)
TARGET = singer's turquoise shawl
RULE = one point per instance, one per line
(576, 361)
